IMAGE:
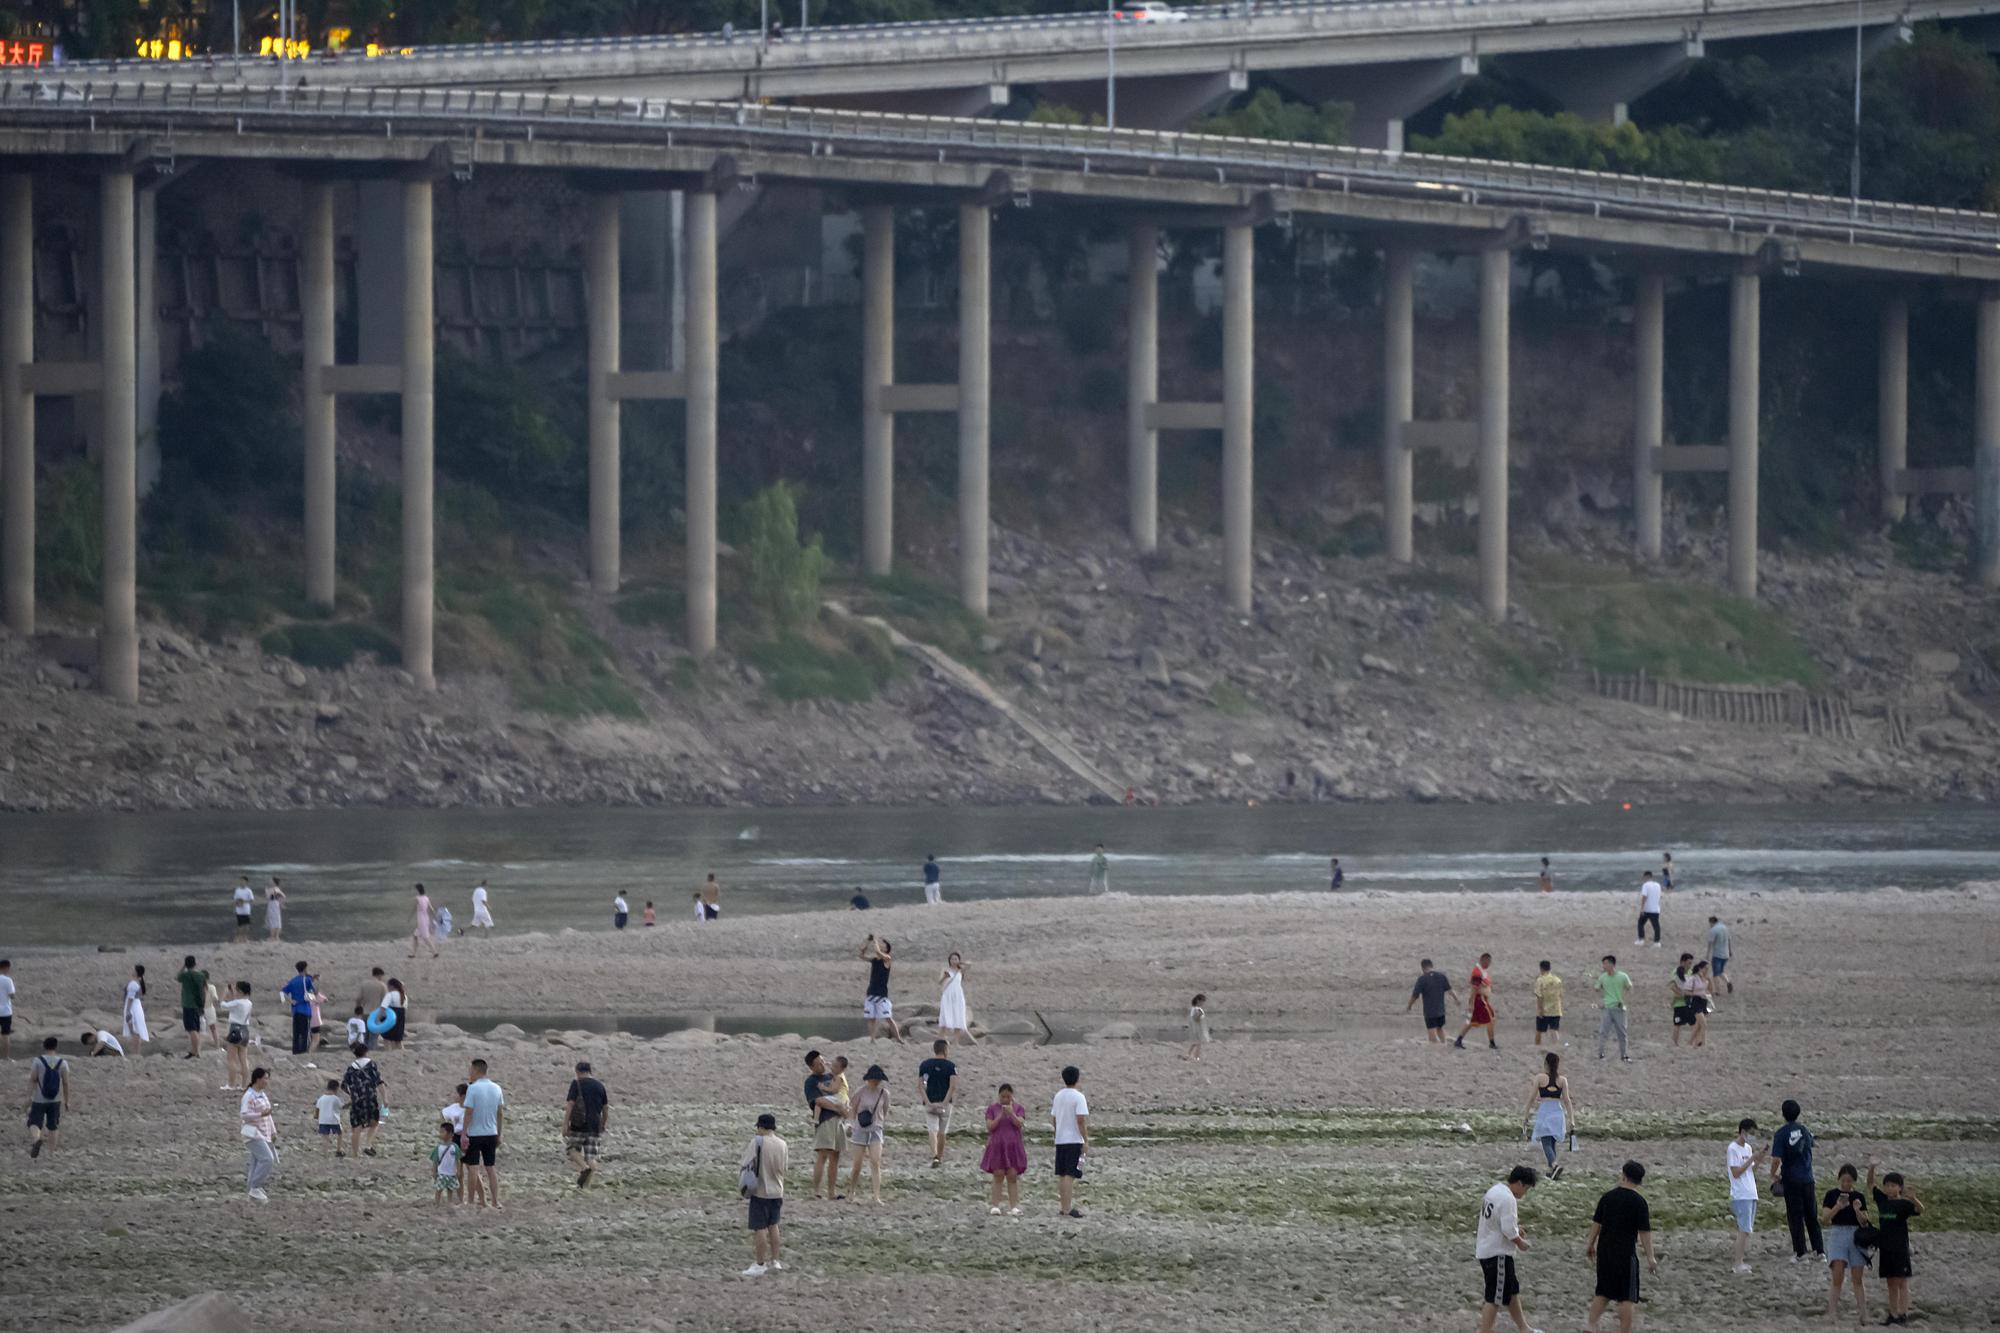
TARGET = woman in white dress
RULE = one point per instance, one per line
(274, 910)
(135, 1007)
(951, 1005)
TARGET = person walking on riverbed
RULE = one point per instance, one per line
(1550, 1114)
(422, 936)
(133, 1017)
(7, 1008)
(1649, 911)
(363, 1084)
(865, 1133)
(1620, 1230)
(260, 1134)
(933, 880)
(1483, 1012)
(825, 1108)
(274, 911)
(1006, 1155)
(1433, 988)
(763, 1179)
(243, 898)
(621, 911)
(1071, 1113)
(586, 1115)
(299, 991)
(194, 1000)
(875, 1004)
(485, 1114)
(1498, 1240)
(1100, 871)
(1611, 986)
(1792, 1178)
(48, 1097)
(1718, 955)
(952, 1017)
(937, 1080)
(1549, 1005)
(482, 915)
(1545, 881)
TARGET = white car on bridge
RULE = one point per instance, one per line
(1146, 12)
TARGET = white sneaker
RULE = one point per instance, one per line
(995, 1210)
(777, 1267)
(754, 1270)
(1740, 1268)
(259, 1196)
(1014, 1212)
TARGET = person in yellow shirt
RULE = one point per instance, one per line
(1548, 1005)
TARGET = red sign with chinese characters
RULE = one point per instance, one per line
(22, 53)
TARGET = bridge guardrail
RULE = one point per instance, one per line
(1090, 147)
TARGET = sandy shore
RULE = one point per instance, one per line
(1311, 1173)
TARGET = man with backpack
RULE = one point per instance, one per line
(49, 1098)
(1792, 1177)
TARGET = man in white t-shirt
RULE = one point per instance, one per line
(481, 916)
(1744, 1159)
(1649, 910)
(245, 898)
(6, 1009)
(1071, 1114)
(1499, 1239)
(101, 1042)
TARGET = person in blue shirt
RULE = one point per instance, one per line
(1339, 877)
(933, 891)
(299, 990)
(1792, 1177)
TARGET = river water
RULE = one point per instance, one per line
(166, 878)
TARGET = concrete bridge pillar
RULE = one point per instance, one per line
(975, 325)
(700, 338)
(419, 370)
(601, 260)
(1892, 403)
(1496, 274)
(146, 299)
(1238, 332)
(316, 303)
(17, 405)
(1745, 289)
(1398, 400)
(1649, 339)
(1142, 386)
(118, 642)
(1986, 437)
(878, 371)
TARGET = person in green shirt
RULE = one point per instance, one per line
(1100, 871)
(194, 999)
(1611, 985)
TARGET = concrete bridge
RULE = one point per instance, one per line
(1389, 58)
(130, 136)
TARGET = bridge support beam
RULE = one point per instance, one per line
(1384, 96)
(1238, 331)
(1986, 437)
(17, 404)
(1496, 272)
(1399, 270)
(975, 325)
(1892, 403)
(316, 303)
(1602, 84)
(1142, 386)
(1745, 290)
(601, 278)
(878, 371)
(700, 337)
(419, 418)
(118, 641)
(1649, 345)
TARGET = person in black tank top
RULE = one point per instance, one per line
(875, 1007)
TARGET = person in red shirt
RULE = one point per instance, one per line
(1482, 1004)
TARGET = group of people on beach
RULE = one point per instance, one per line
(1848, 1230)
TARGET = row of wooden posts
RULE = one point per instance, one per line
(1787, 706)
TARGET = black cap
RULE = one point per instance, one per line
(767, 1121)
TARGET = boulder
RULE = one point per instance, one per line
(506, 1032)
(1380, 665)
(1153, 666)
(1424, 787)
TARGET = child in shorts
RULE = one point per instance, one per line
(328, 1106)
(652, 918)
(444, 1158)
(357, 1029)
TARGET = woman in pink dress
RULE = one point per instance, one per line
(422, 934)
(1006, 1155)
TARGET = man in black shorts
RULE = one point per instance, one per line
(1432, 988)
(1499, 1239)
(194, 999)
(485, 1115)
(1621, 1228)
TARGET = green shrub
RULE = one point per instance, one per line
(1362, 535)
(230, 426)
(796, 667)
(69, 532)
(658, 605)
(511, 432)
(1229, 700)
(784, 572)
(329, 647)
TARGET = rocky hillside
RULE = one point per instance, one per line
(1353, 680)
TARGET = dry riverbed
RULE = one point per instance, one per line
(1319, 1170)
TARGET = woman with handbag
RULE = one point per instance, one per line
(1849, 1236)
(869, 1109)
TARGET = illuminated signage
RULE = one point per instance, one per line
(162, 48)
(23, 53)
